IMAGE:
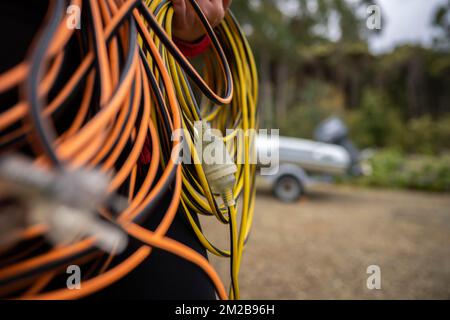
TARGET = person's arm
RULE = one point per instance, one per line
(187, 29)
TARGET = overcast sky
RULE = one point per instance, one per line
(406, 21)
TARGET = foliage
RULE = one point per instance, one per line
(425, 135)
(317, 102)
(394, 169)
(442, 22)
(399, 100)
(299, 33)
(375, 123)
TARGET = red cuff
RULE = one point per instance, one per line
(193, 49)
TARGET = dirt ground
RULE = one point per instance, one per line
(320, 247)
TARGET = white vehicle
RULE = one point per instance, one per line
(304, 162)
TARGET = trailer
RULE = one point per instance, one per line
(302, 162)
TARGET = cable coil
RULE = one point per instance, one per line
(115, 96)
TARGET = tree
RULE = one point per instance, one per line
(442, 22)
(291, 34)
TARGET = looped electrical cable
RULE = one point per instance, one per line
(92, 99)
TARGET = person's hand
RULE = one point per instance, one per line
(186, 25)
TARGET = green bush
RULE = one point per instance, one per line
(311, 117)
(317, 101)
(394, 169)
(425, 135)
(375, 123)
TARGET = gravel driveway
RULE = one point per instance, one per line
(320, 247)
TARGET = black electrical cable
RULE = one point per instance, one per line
(43, 129)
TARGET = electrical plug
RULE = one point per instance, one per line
(217, 164)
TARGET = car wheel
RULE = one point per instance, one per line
(288, 189)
